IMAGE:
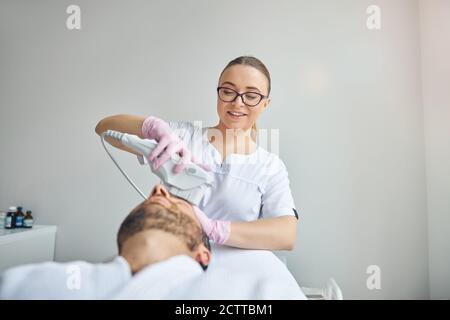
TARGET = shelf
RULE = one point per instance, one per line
(11, 235)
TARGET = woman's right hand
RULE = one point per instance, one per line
(168, 144)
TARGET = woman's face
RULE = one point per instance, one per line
(242, 78)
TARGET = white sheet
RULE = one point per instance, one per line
(71, 280)
(247, 274)
(232, 274)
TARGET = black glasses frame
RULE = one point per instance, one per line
(261, 96)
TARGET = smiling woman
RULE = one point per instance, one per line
(244, 73)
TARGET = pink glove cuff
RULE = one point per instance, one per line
(221, 231)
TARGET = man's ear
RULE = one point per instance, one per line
(202, 255)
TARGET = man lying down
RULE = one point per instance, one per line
(163, 254)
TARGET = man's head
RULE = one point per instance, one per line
(161, 227)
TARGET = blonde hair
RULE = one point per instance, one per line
(254, 132)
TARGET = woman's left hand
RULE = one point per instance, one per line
(217, 230)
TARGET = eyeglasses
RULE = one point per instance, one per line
(250, 99)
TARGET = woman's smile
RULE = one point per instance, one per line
(236, 115)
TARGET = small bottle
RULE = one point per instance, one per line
(28, 221)
(11, 218)
(2, 219)
(19, 217)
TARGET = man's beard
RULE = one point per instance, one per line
(174, 222)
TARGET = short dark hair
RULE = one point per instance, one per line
(169, 220)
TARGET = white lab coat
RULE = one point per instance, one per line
(246, 187)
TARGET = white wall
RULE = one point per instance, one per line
(358, 164)
(347, 101)
(435, 31)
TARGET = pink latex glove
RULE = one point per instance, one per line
(217, 230)
(168, 144)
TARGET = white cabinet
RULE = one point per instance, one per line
(23, 246)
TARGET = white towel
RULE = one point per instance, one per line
(232, 274)
(242, 274)
(162, 280)
(74, 280)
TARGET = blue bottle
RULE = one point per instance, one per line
(19, 218)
